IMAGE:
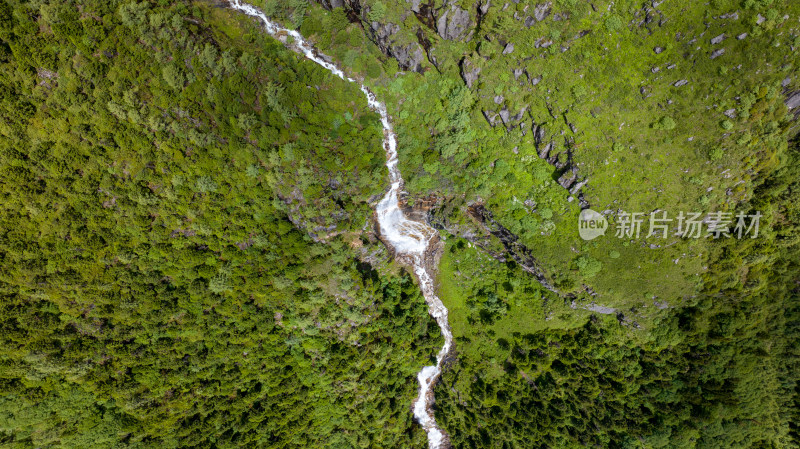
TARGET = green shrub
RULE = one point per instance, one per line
(613, 23)
(588, 266)
(666, 123)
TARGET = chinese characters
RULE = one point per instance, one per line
(712, 225)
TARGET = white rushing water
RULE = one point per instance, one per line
(410, 239)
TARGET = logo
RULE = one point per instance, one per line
(591, 224)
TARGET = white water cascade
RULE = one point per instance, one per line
(410, 239)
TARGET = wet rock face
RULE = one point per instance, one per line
(453, 23)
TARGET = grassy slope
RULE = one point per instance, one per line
(604, 85)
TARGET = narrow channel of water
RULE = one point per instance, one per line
(409, 239)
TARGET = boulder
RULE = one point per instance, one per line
(454, 23)
(490, 117)
(409, 57)
(568, 178)
(469, 72)
(541, 11)
(793, 100)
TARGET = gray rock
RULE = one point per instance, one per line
(658, 50)
(536, 80)
(545, 151)
(454, 23)
(505, 116)
(786, 81)
(583, 202)
(601, 309)
(330, 4)
(718, 39)
(382, 32)
(538, 136)
(568, 178)
(498, 99)
(655, 69)
(469, 72)
(518, 115)
(793, 100)
(484, 8)
(730, 15)
(517, 73)
(490, 117)
(529, 21)
(760, 19)
(717, 53)
(730, 113)
(577, 186)
(681, 83)
(414, 4)
(741, 36)
(541, 11)
(671, 66)
(509, 48)
(409, 57)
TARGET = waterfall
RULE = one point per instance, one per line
(409, 239)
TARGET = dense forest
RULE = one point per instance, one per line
(184, 248)
(189, 257)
